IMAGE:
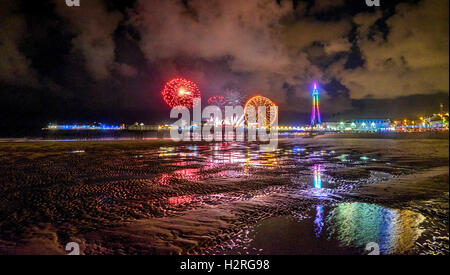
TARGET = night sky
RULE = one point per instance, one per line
(107, 61)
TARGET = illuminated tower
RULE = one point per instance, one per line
(315, 115)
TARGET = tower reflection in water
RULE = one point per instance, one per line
(318, 221)
(317, 176)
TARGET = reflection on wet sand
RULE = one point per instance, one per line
(343, 228)
(180, 200)
(348, 224)
(317, 176)
(318, 222)
(356, 224)
(218, 156)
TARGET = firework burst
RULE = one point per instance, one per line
(233, 97)
(180, 92)
(217, 100)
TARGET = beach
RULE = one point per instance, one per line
(310, 196)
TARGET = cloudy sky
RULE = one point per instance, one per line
(108, 60)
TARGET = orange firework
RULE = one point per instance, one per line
(260, 101)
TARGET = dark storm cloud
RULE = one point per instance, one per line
(412, 59)
(94, 27)
(326, 5)
(14, 66)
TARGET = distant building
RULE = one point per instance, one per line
(78, 127)
(436, 121)
(143, 127)
(371, 125)
(358, 125)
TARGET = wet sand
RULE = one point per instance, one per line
(311, 196)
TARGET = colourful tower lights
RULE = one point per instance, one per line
(315, 115)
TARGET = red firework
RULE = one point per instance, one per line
(217, 100)
(180, 92)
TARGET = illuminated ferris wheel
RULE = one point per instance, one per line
(260, 101)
